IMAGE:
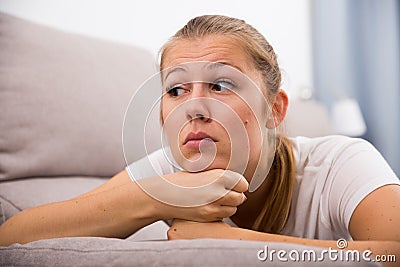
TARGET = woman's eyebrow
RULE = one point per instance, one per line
(176, 69)
(214, 65)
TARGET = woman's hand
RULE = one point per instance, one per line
(202, 196)
(181, 229)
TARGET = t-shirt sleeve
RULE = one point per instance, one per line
(357, 170)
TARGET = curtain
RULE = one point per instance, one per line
(356, 54)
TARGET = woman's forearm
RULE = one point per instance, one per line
(116, 209)
(377, 248)
(120, 207)
(191, 230)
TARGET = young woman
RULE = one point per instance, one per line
(316, 191)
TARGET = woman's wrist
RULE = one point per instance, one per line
(150, 207)
(122, 206)
(152, 191)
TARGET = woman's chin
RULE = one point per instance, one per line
(199, 165)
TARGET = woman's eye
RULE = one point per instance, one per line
(175, 91)
(222, 86)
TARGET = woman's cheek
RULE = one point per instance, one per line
(252, 128)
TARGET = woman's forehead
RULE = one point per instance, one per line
(213, 48)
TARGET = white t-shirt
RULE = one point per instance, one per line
(333, 175)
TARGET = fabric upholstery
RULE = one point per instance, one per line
(114, 252)
(62, 100)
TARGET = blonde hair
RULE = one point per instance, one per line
(273, 215)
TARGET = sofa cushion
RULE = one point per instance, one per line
(63, 98)
(88, 251)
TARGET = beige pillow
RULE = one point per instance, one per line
(62, 100)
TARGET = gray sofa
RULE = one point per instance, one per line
(62, 101)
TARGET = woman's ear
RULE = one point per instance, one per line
(280, 104)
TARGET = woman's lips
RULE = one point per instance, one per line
(193, 140)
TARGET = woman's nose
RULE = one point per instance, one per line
(199, 89)
(197, 107)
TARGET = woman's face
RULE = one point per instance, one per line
(212, 104)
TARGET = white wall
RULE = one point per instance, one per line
(149, 23)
